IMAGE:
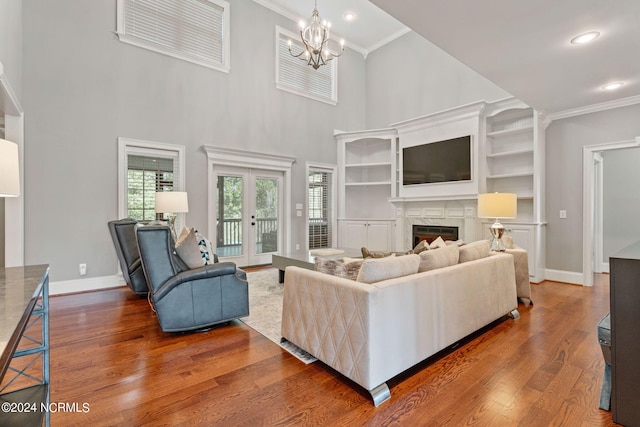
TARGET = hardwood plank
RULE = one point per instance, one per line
(107, 350)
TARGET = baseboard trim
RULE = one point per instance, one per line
(83, 285)
(564, 276)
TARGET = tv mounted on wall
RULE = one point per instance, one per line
(440, 161)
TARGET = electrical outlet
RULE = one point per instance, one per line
(83, 269)
(297, 246)
(563, 214)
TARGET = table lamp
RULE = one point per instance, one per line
(497, 205)
(172, 203)
(9, 169)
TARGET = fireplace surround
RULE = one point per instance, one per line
(432, 232)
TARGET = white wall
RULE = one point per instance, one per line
(621, 204)
(565, 140)
(83, 89)
(411, 77)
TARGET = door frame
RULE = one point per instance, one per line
(588, 200)
(231, 157)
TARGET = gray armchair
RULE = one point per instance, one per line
(123, 235)
(185, 299)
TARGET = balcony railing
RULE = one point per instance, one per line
(231, 232)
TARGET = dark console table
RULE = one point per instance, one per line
(625, 335)
(24, 318)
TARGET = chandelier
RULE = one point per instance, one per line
(318, 47)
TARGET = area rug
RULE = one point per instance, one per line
(265, 310)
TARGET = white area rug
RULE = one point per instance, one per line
(265, 310)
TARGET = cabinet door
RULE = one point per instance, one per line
(378, 236)
(354, 234)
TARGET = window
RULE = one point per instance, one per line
(192, 30)
(144, 168)
(320, 207)
(294, 75)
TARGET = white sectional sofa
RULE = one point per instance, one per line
(371, 332)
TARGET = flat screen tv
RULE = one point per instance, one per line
(441, 161)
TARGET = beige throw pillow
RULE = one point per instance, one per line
(366, 253)
(439, 258)
(475, 250)
(379, 269)
(188, 250)
(438, 243)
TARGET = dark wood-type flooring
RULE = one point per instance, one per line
(107, 350)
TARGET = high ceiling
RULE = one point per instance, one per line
(522, 46)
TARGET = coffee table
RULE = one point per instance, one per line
(304, 259)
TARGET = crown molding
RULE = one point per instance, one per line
(389, 39)
(594, 108)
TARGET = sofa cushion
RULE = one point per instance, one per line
(188, 250)
(347, 268)
(438, 243)
(379, 269)
(438, 258)
(475, 250)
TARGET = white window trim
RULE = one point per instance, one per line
(334, 200)
(128, 146)
(333, 63)
(135, 41)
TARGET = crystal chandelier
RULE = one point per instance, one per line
(315, 38)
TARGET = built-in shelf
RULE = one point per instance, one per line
(364, 184)
(514, 131)
(510, 153)
(367, 165)
(510, 175)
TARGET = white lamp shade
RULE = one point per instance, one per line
(497, 205)
(9, 169)
(171, 202)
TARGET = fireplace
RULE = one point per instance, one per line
(431, 233)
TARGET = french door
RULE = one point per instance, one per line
(248, 206)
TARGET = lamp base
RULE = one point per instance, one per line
(497, 230)
(172, 225)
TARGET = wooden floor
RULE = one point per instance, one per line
(107, 350)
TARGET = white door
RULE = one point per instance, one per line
(248, 215)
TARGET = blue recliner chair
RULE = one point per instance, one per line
(184, 299)
(123, 235)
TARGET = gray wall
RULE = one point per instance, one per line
(565, 140)
(83, 89)
(411, 77)
(11, 42)
(621, 204)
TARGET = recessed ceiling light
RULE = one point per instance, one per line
(585, 37)
(612, 86)
(349, 16)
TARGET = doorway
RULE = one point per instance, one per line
(248, 208)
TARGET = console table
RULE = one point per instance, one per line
(24, 313)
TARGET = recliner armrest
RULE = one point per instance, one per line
(205, 272)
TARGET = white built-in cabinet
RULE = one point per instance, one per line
(514, 163)
(366, 182)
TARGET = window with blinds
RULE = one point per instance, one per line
(192, 30)
(294, 75)
(145, 167)
(146, 176)
(320, 209)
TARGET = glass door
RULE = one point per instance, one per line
(248, 215)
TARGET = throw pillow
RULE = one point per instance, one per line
(438, 243)
(508, 242)
(475, 250)
(187, 249)
(422, 246)
(206, 249)
(439, 258)
(376, 270)
(366, 253)
(347, 268)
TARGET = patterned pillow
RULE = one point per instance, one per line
(206, 249)
(366, 253)
(187, 248)
(347, 268)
